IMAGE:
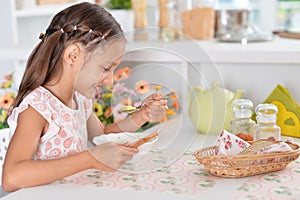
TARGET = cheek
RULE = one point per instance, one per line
(83, 84)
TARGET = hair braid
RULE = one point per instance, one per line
(85, 23)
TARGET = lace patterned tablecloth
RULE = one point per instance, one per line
(184, 175)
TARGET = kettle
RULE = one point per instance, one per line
(211, 110)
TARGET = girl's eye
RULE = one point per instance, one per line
(105, 69)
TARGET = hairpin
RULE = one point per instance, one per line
(42, 36)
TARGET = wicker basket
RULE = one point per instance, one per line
(245, 165)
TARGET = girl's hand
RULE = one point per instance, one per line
(111, 156)
(154, 108)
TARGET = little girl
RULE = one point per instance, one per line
(52, 117)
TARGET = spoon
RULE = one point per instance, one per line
(131, 109)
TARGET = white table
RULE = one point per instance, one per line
(263, 185)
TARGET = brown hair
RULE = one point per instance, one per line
(85, 23)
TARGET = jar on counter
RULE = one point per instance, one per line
(266, 128)
(242, 122)
(198, 18)
(140, 15)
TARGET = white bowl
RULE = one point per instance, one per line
(124, 137)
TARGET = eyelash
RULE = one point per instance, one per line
(105, 69)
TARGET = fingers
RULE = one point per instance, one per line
(126, 150)
(155, 110)
(111, 156)
(157, 96)
(153, 97)
(157, 105)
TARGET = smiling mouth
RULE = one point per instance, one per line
(96, 87)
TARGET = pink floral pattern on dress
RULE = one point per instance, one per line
(67, 134)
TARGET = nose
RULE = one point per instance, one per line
(107, 79)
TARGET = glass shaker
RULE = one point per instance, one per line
(266, 128)
(168, 20)
(140, 15)
(242, 122)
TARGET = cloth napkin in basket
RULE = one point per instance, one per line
(229, 144)
(275, 148)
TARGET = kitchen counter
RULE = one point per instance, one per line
(279, 50)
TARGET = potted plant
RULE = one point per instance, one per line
(119, 4)
(121, 10)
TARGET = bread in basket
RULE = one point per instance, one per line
(245, 163)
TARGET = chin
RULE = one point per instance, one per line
(90, 94)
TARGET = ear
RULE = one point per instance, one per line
(71, 54)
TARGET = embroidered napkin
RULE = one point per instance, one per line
(229, 144)
(275, 148)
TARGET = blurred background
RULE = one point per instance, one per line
(23, 20)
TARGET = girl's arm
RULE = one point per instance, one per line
(19, 168)
(21, 171)
(152, 111)
(129, 124)
(94, 127)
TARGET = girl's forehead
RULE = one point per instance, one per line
(107, 54)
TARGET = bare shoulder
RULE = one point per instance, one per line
(31, 120)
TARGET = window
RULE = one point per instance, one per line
(268, 15)
(288, 16)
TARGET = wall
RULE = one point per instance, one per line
(6, 38)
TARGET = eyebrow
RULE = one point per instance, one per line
(114, 63)
(111, 63)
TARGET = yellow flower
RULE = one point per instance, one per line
(12, 95)
(7, 84)
(142, 87)
(3, 116)
(107, 95)
(110, 87)
(97, 108)
(171, 112)
(6, 101)
(157, 87)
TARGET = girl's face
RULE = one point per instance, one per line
(98, 68)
